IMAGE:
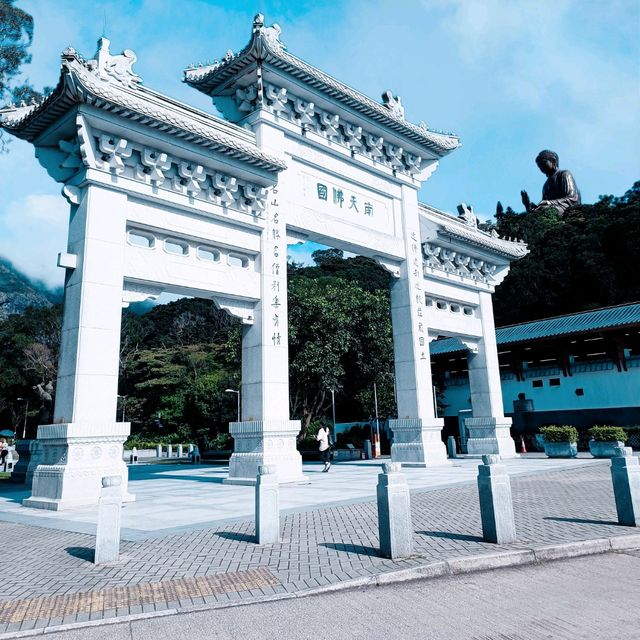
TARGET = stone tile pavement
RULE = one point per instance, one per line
(48, 578)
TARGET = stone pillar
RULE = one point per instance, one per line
(266, 435)
(158, 451)
(169, 451)
(267, 506)
(108, 530)
(179, 451)
(190, 449)
(28, 460)
(134, 456)
(625, 475)
(488, 428)
(496, 505)
(417, 437)
(451, 447)
(85, 442)
(394, 513)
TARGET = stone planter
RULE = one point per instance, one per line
(561, 449)
(604, 449)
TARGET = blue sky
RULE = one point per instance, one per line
(510, 77)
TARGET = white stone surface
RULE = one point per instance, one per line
(108, 527)
(267, 516)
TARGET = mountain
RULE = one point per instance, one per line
(17, 291)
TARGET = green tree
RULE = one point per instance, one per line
(16, 36)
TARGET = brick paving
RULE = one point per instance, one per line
(49, 578)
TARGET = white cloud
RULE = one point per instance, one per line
(34, 230)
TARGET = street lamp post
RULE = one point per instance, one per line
(238, 394)
(26, 411)
(375, 401)
(124, 404)
(333, 410)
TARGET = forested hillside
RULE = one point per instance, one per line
(176, 360)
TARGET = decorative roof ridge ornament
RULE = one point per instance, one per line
(394, 104)
(118, 67)
(270, 34)
(466, 215)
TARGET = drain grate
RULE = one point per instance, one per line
(14, 611)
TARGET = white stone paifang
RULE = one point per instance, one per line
(168, 198)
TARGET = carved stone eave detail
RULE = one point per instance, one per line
(136, 292)
(83, 82)
(392, 266)
(267, 47)
(242, 309)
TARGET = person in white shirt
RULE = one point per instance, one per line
(324, 438)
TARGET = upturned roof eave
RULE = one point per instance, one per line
(75, 87)
(214, 78)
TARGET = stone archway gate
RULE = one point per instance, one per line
(164, 197)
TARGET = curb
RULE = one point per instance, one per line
(456, 566)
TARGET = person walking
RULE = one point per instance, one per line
(324, 438)
(4, 452)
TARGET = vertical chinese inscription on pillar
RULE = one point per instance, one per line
(277, 285)
(415, 278)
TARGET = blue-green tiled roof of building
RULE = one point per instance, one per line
(575, 323)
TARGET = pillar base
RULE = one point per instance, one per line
(490, 436)
(74, 457)
(418, 445)
(29, 457)
(265, 442)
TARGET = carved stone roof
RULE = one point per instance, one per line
(461, 230)
(266, 46)
(108, 83)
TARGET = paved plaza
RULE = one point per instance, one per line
(188, 540)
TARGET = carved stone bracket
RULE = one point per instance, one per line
(283, 104)
(134, 292)
(454, 262)
(243, 309)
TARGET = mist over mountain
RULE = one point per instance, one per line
(18, 291)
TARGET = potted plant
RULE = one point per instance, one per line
(603, 440)
(560, 442)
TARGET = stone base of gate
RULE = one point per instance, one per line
(29, 458)
(418, 445)
(490, 435)
(265, 442)
(74, 457)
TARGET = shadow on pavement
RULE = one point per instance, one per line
(351, 548)
(234, 535)
(84, 553)
(581, 520)
(450, 536)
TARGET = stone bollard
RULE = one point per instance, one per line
(451, 447)
(625, 475)
(108, 531)
(169, 451)
(133, 458)
(179, 451)
(394, 512)
(158, 451)
(190, 449)
(267, 506)
(496, 505)
(195, 456)
(368, 451)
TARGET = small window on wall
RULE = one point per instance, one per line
(468, 311)
(579, 392)
(441, 305)
(176, 247)
(554, 382)
(208, 255)
(140, 239)
(536, 384)
(236, 260)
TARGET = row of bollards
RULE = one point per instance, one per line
(394, 506)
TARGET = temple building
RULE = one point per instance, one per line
(580, 369)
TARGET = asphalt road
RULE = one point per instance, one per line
(594, 598)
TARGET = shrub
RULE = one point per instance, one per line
(222, 442)
(607, 434)
(566, 433)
